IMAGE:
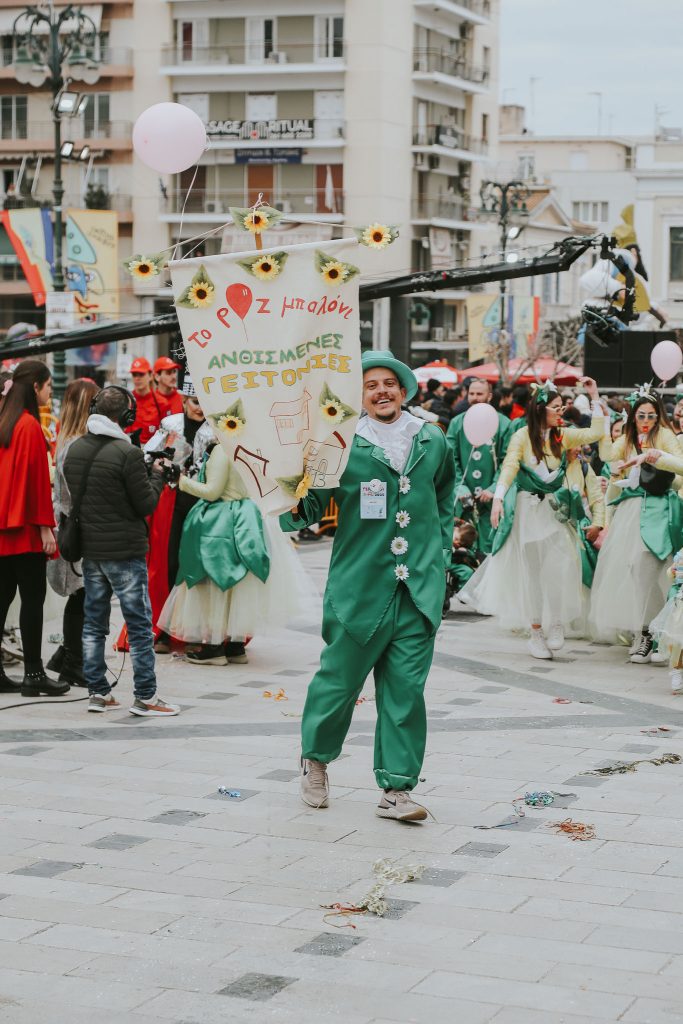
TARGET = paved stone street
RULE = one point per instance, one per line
(132, 891)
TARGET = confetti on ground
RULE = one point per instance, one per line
(575, 830)
(234, 794)
(280, 695)
(538, 798)
(388, 873)
(630, 766)
(561, 700)
(658, 730)
(362, 700)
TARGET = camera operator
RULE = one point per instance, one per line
(118, 495)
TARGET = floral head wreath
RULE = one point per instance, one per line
(544, 393)
(642, 391)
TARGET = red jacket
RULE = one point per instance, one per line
(151, 411)
(172, 403)
(25, 492)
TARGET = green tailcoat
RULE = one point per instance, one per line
(477, 469)
(362, 581)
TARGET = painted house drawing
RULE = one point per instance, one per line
(291, 419)
(256, 464)
(323, 458)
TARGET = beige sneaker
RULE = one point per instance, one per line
(99, 704)
(398, 804)
(314, 785)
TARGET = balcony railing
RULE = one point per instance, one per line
(256, 56)
(480, 7)
(449, 137)
(116, 55)
(116, 201)
(44, 130)
(303, 202)
(442, 208)
(430, 60)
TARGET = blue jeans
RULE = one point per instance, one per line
(127, 578)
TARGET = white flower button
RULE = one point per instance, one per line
(476, 474)
(399, 546)
(476, 456)
(404, 484)
(402, 518)
(401, 572)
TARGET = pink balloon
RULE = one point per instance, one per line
(239, 297)
(666, 359)
(169, 137)
(480, 424)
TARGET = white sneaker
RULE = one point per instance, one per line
(555, 638)
(538, 648)
(399, 805)
(314, 785)
(659, 658)
(643, 653)
(677, 681)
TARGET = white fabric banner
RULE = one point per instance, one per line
(273, 347)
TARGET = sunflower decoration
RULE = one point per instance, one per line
(145, 267)
(200, 292)
(255, 219)
(296, 486)
(231, 422)
(333, 271)
(332, 409)
(377, 236)
(265, 268)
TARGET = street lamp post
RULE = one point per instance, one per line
(507, 204)
(53, 49)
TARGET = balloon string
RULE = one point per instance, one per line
(182, 212)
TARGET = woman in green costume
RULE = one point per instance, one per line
(645, 528)
(238, 574)
(532, 579)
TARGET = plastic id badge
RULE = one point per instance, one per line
(373, 499)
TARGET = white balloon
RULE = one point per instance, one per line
(169, 137)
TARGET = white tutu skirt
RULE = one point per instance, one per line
(206, 614)
(667, 627)
(630, 585)
(536, 575)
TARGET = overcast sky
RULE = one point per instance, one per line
(631, 51)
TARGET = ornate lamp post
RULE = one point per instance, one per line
(506, 203)
(54, 48)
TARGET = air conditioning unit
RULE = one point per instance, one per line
(438, 334)
(212, 206)
(434, 162)
(277, 57)
(452, 336)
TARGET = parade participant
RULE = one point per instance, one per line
(667, 627)
(532, 579)
(238, 574)
(26, 520)
(385, 589)
(150, 410)
(190, 435)
(477, 469)
(166, 380)
(645, 528)
(65, 578)
(107, 475)
(581, 503)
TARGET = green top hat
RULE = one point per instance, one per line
(383, 357)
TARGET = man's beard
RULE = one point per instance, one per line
(388, 417)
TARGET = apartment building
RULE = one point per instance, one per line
(343, 114)
(339, 113)
(122, 79)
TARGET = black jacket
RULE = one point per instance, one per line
(118, 497)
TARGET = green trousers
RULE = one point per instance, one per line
(400, 653)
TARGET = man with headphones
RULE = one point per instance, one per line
(109, 476)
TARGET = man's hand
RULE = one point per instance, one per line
(485, 497)
(47, 538)
(592, 534)
(496, 512)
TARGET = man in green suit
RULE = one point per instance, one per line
(477, 469)
(385, 588)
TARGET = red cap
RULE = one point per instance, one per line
(140, 365)
(164, 363)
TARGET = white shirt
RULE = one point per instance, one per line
(395, 439)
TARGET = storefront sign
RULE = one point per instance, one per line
(268, 155)
(279, 130)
